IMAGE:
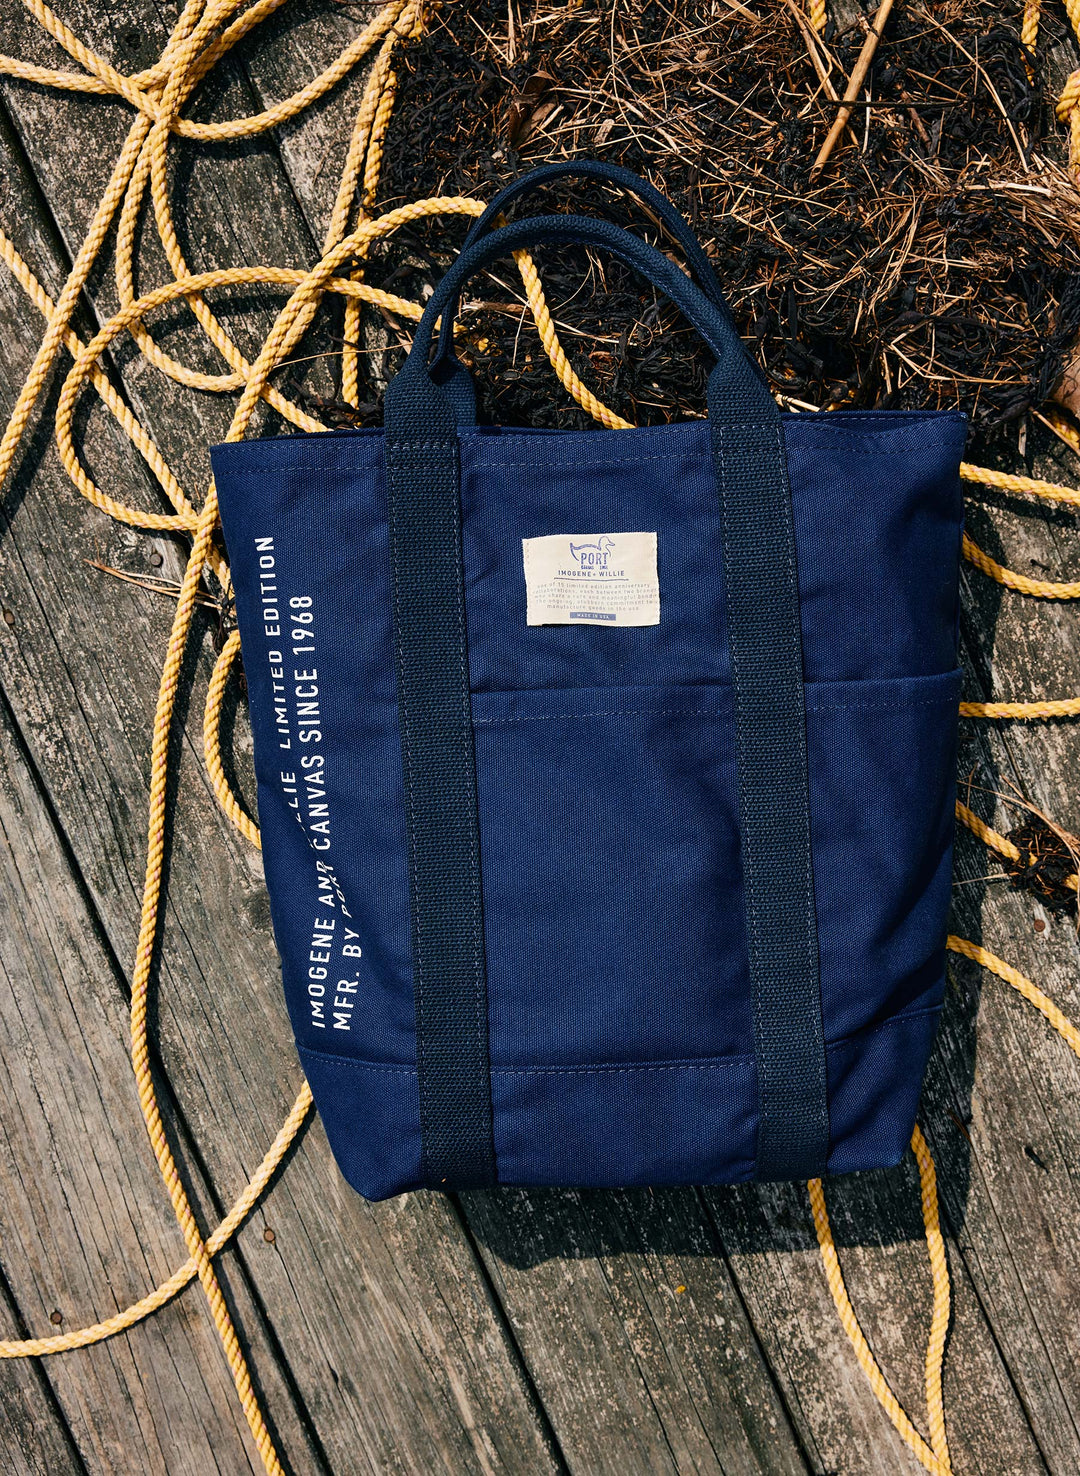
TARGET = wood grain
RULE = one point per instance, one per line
(513, 1331)
(380, 1319)
(84, 1226)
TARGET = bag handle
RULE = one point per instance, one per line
(612, 174)
(761, 597)
(446, 366)
(738, 387)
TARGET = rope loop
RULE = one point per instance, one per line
(205, 32)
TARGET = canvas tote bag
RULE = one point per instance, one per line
(605, 779)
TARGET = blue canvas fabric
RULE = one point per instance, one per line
(620, 1044)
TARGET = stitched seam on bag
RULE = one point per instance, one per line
(952, 423)
(572, 465)
(477, 932)
(480, 1008)
(796, 646)
(721, 1063)
(715, 1064)
(360, 1065)
(748, 857)
(718, 711)
(410, 828)
(725, 1064)
(547, 717)
(796, 652)
(946, 699)
(568, 465)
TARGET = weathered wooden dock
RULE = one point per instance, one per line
(520, 1332)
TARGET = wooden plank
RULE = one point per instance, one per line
(770, 1245)
(1007, 1076)
(535, 1309)
(419, 1373)
(631, 1292)
(913, 1360)
(34, 1436)
(59, 1265)
(596, 1441)
(94, 1231)
(770, 1241)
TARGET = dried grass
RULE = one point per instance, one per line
(934, 263)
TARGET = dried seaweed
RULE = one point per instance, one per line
(1044, 866)
(934, 263)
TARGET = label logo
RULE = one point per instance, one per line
(593, 555)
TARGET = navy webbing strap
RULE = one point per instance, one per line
(701, 268)
(431, 654)
(761, 601)
(762, 606)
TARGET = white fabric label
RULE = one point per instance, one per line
(592, 579)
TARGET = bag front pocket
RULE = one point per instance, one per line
(612, 877)
(612, 883)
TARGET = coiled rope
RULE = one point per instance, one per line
(205, 32)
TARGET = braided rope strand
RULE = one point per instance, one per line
(202, 35)
(935, 1458)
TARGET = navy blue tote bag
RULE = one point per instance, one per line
(605, 779)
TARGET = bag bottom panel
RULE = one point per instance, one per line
(623, 1126)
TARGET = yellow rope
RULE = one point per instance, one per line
(935, 1456)
(212, 742)
(203, 34)
(1031, 992)
(159, 96)
(1001, 843)
(82, 1337)
(986, 834)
